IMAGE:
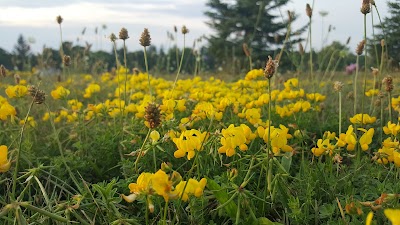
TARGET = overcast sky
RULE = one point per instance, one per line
(36, 20)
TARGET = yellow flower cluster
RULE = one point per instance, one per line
(91, 89)
(372, 92)
(169, 187)
(17, 91)
(189, 142)
(60, 93)
(348, 140)
(5, 163)
(234, 137)
(278, 136)
(6, 110)
(365, 118)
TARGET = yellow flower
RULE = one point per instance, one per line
(142, 185)
(91, 89)
(366, 138)
(7, 110)
(60, 93)
(188, 142)
(323, 147)
(366, 119)
(191, 187)
(162, 185)
(350, 138)
(31, 121)
(75, 104)
(5, 164)
(316, 97)
(372, 92)
(253, 74)
(391, 128)
(16, 91)
(232, 137)
(368, 220)
(154, 136)
(278, 138)
(393, 215)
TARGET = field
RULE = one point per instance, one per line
(260, 147)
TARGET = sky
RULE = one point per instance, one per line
(36, 21)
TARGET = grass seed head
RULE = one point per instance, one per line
(388, 82)
(348, 40)
(38, 95)
(112, 37)
(301, 49)
(337, 86)
(246, 50)
(290, 15)
(375, 71)
(123, 34)
(67, 60)
(59, 19)
(360, 47)
(145, 38)
(3, 70)
(383, 43)
(365, 7)
(17, 78)
(153, 115)
(184, 30)
(308, 10)
(270, 68)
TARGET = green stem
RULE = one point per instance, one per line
(165, 213)
(311, 58)
(60, 149)
(355, 85)
(43, 212)
(141, 150)
(365, 70)
(21, 137)
(374, 37)
(154, 159)
(390, 106)
(147, 71)
(126, 76)
(340, 112)
(147, 210)
(180, 65)
(238, 210)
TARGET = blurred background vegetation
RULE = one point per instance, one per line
(256, 24)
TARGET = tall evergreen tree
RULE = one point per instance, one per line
(259, 24)
(391, 30)
(22, 53)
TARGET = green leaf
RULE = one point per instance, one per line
(222, 196)
(266, 221)
(326, 210)
(286, 161)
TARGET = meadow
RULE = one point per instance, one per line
(262, 147)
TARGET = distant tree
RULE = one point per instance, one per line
(256, 23)
(22, 54)
(391, 31)
(5, 58)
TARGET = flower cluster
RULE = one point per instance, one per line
(169, 186)
(278, 137)
(235, 137)
(329, 143)
(17, 91)
(189, 142)
(5, 163)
